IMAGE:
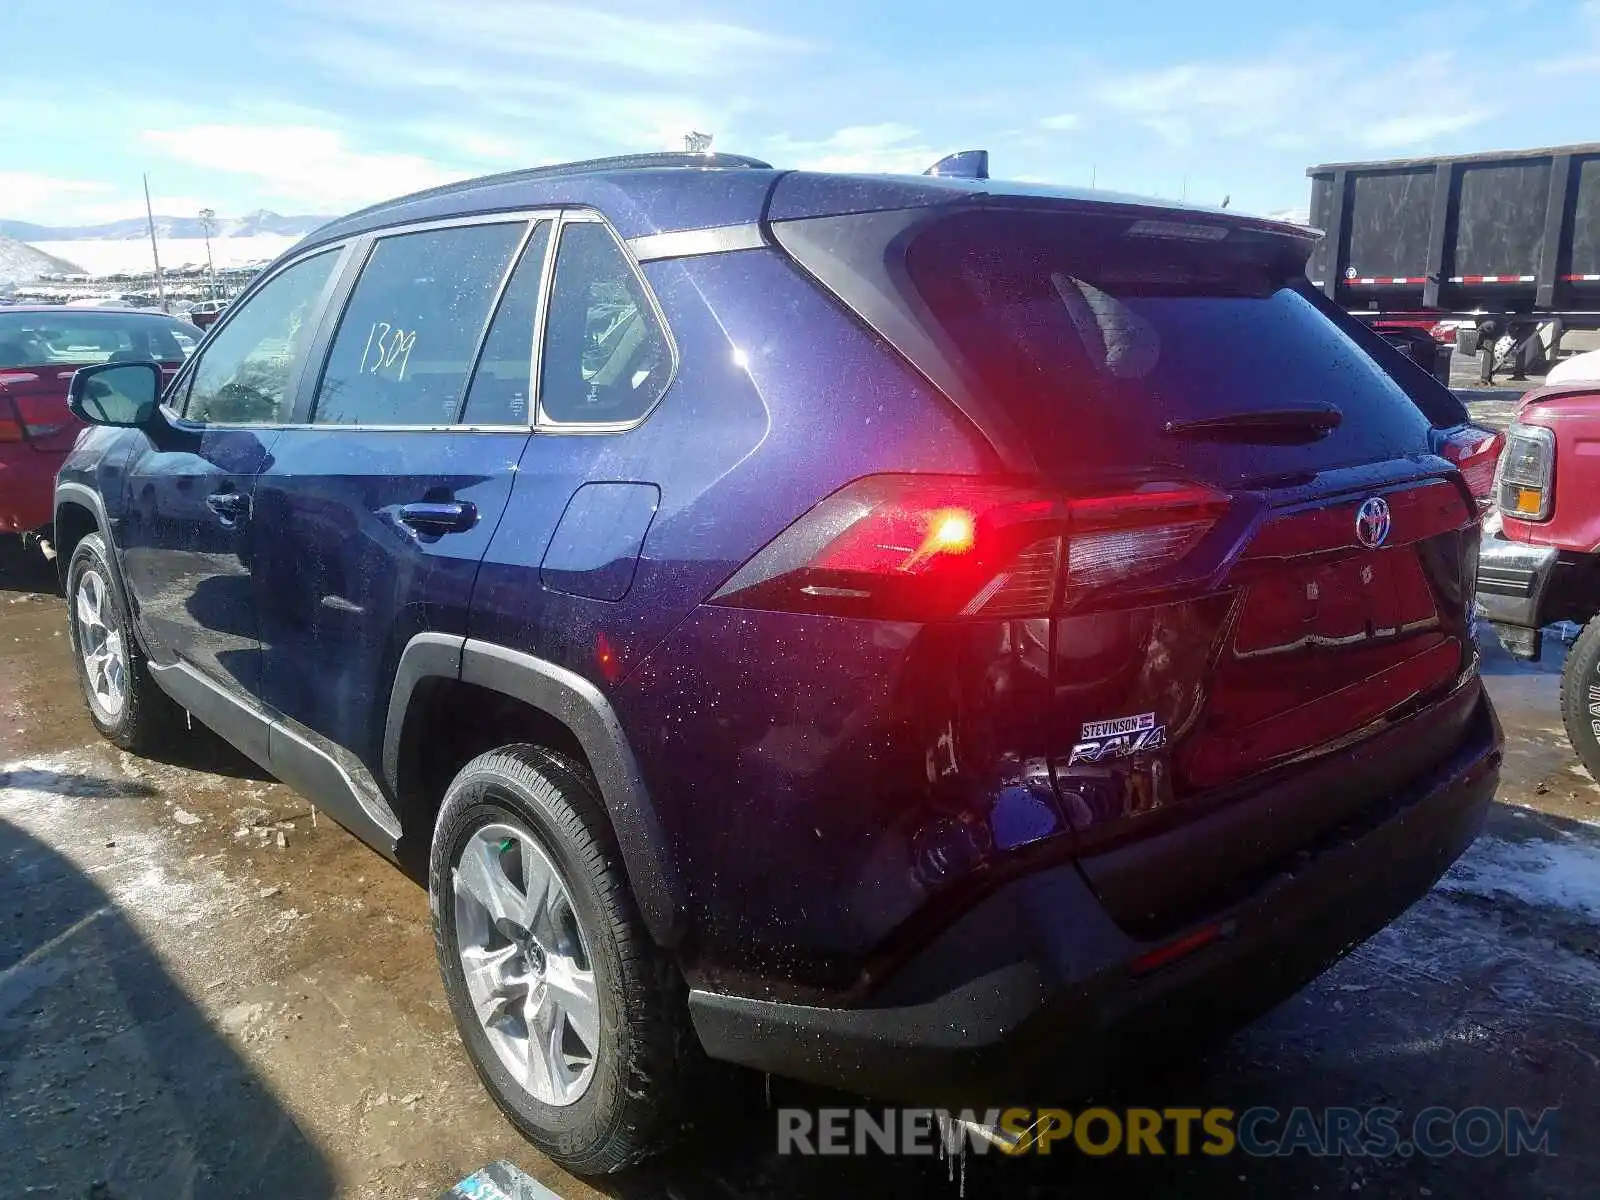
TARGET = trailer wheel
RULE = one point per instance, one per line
(1580, 697)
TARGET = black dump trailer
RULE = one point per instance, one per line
(1506, 243)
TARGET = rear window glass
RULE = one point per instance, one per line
(1088, 335)
(78, 337)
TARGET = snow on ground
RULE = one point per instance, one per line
(133, 254)
(1542, 873)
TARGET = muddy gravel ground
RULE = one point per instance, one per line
(206, 990)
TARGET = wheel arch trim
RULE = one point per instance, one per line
(84, 496)
(581, 707)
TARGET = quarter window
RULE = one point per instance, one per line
(243, 376)
(406, 341)
(606, 357)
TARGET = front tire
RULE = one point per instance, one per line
(124, 702)
(574, 1019)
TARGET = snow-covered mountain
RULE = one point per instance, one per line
(251, 224)
(113, 256)
(20, 263)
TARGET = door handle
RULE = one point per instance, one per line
(229, 506)
(440, 516)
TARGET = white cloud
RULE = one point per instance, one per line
(581, 35)
(301, 165)
(1282, 100)
(49, 199)
(1400, 132)
(891, 147)
(520, 115)
(1062, 122)
(1191, 99)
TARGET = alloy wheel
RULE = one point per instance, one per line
(526, 963)
(100, 644)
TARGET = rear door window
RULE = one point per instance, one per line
(502, 383)
(606, 356)
(405, 344)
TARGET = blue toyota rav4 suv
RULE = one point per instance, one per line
(922, 635)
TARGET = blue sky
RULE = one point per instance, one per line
(283, 104)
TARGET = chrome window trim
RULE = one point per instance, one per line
(690, 243)
(367, 241)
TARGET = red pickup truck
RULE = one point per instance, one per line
(1540, 558)
(40, 348)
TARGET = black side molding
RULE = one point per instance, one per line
(328, 775)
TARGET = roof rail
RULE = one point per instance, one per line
(620, 162)
(708, 161)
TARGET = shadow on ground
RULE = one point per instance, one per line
(24, 568)
(113, 1084)
(195, 747)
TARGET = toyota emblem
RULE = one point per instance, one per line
(1372, 522)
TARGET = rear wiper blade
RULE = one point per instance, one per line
(1262, 425)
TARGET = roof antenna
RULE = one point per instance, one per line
(963, 164)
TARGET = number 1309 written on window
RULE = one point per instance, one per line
(387, 347)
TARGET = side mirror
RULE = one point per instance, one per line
(123, 394)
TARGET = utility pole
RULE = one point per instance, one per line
(150, 218)
(208, 222)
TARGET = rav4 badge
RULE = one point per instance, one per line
(1120, 737)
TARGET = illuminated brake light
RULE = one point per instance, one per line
(951, 534)
(925, 547)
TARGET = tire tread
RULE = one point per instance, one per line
(663, 1052)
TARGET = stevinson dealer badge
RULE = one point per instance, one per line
(1118, 738)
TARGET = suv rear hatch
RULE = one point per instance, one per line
(1203, 652)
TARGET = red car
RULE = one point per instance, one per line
(40, 348)
(1540, 563)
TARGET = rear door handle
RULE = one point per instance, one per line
(229, 506)
(440, 516)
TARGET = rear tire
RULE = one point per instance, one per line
(123, 700)
(1580, 697)
(522, 814)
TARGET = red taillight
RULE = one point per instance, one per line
(1120, 536)
(1476, 454)
(32, 416)
(10, 427)
(927, 547)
